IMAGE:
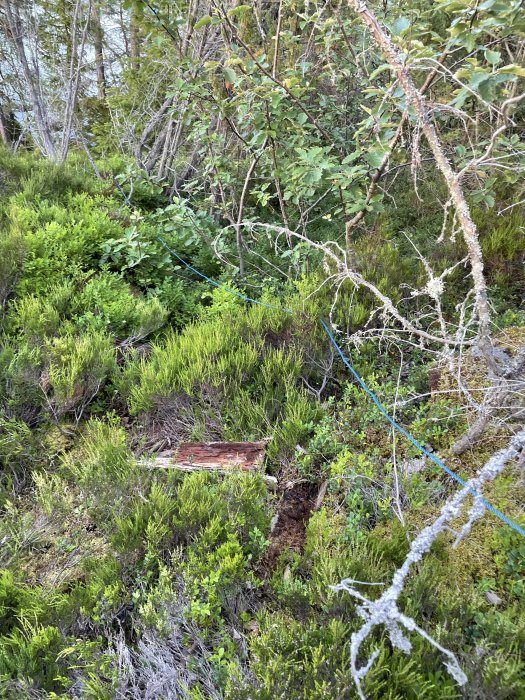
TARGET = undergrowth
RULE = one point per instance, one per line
(116, 575)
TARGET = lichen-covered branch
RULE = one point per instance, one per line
(416, 100)
(494, 400)
(384, 611)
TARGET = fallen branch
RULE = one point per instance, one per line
(416, 100)
(494, 400)
(341, 262)
(221, 457)
(385, 611)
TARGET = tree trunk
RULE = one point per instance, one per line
(74, 76)
(98, 44)
(16, 31)
(468, 227)
(4, 130)
(134, 38)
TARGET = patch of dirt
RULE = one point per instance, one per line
(289, 531)
(277, 340)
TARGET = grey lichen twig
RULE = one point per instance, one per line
(385, 611)
(417, 101)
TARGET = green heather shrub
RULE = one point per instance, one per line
(62, 374)
(35, 317)
(181, 299)
(217, 580)
(202, 354)
(77, 368)
(29, 643)
(101, 456)
(147, 521)
(12, 253)
(20, 369)
(236, 501)
(102, 594)
(30, 654)
(503, 245)
(229, 369)
(299, 659)
(61, 240)
(223, 371)
(18, 455)
(13, 169)
(57, 182)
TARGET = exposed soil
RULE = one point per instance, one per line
(297, 504)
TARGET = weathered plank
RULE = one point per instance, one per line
(242, 455)
(220, 457)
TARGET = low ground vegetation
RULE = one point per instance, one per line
(119, 580)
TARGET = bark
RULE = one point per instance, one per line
(150, 128)
(134, 38)
(161, 171)
(98, 44)
(277, 37)
(468, 227)
(238, 226)
(16, 30)
(189, 169)
(4, 130)
(74, 76)
(156, 149)
(223, 457)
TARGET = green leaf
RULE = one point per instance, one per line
(477, 78)
(487, 90)
(493, 57)
(351, 157)
(239, 10)
(512, 69)
(400, 25)
(229, 75)
(203, 22)
(384, 67)
(301, 118)
(374, 158)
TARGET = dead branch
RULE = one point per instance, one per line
(167, 463)
(345, 272)
(494, 400)
(468, 227)
(384, 611)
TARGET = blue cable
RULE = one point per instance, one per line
(217, 284)
(364, 386)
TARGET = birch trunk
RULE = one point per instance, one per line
(16, 30)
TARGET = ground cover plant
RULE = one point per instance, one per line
(203, 207)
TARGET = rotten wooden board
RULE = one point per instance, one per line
(241, 455)
(214, 456)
